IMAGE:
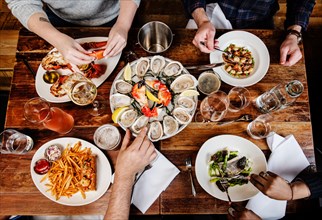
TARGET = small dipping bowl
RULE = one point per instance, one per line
(155, 37)
(107, 137)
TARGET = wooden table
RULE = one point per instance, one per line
(18, 194)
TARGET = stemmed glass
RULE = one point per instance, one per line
(84, 92)
(238, 98)
(213, 108)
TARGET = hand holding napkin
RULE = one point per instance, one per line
(152, 182)
(286, 160)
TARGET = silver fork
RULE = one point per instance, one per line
(188, 166)
(245, 117)
(224, 185)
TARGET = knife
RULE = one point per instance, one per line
(204, 67)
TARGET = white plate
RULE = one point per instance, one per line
(246, 148)
(103, 174)
(160, 117)
(43, 88)
(252, 43)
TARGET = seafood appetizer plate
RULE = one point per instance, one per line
(244, 148)
(98, 71)
(103, 173)
(156, 92)
(249, 42)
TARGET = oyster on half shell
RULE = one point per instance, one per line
(140, 122)
(119, 100)
(173, 68)
(182, 116)
(142, 66)
(183, 82)
(128, 118)
(157, 64)
(155, 131)
(123, 87)
(186, 102)
(170, 125)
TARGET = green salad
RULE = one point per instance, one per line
(229, 168)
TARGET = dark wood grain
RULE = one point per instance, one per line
(16, 185)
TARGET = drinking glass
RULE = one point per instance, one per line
(208, 82)
(213, 108)
(84, 92)
(260, 127)
(38, 110)
(107, 137)
(238, 98)
(14, 142)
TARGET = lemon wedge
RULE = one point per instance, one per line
(189, 92)
(117, 113)
(152, 97)
(128, 72)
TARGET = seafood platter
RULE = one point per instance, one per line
(156, 92)
(54, 72)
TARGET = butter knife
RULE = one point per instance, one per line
(204, 67)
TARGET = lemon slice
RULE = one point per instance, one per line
(189, 92)
(128, 72)
(152, 97)
(117, 113)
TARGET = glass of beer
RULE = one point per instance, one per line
(38, 110)
(208, 82)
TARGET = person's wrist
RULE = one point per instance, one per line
(299, 190)
(295, 31)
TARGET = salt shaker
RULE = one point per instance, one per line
(279, 97)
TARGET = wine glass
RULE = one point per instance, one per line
(213, 108)
(238, 98)
(83, 93)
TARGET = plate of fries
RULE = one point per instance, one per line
(64, 182)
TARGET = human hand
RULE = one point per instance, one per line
(72, 51)
(239, 212)
(117, 40)
(290, 52)
(272, 185)
(204, 38)
(135, 157)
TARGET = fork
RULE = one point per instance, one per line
(138, 176)
(225, 187)
(245, 117)
(188, 165)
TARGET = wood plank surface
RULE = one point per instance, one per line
(16, 184)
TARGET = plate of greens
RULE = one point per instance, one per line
(230, 159)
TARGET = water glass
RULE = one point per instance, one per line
(107, 137)
(208, 82)
(238, 98)
(213, 108)
(38, 110)
(260, 127)
(14, 142)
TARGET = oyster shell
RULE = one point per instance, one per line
(157, 64)
(128, 118)
(173, 68)
(140, 122)
(142, 66)
(170, 125)
(183, 82)
(123, 87)
(181, 115)
(186, 102)
(155, 131)
(119, 100)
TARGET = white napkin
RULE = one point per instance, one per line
(286, 160)
(215, 15)
(152, 182)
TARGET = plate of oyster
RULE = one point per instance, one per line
(156, 92)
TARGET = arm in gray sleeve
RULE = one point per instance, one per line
(24, 9)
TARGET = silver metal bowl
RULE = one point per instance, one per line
(155, 37)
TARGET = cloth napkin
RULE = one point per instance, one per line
(215, 15)
(286, 160)
(152, 182)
